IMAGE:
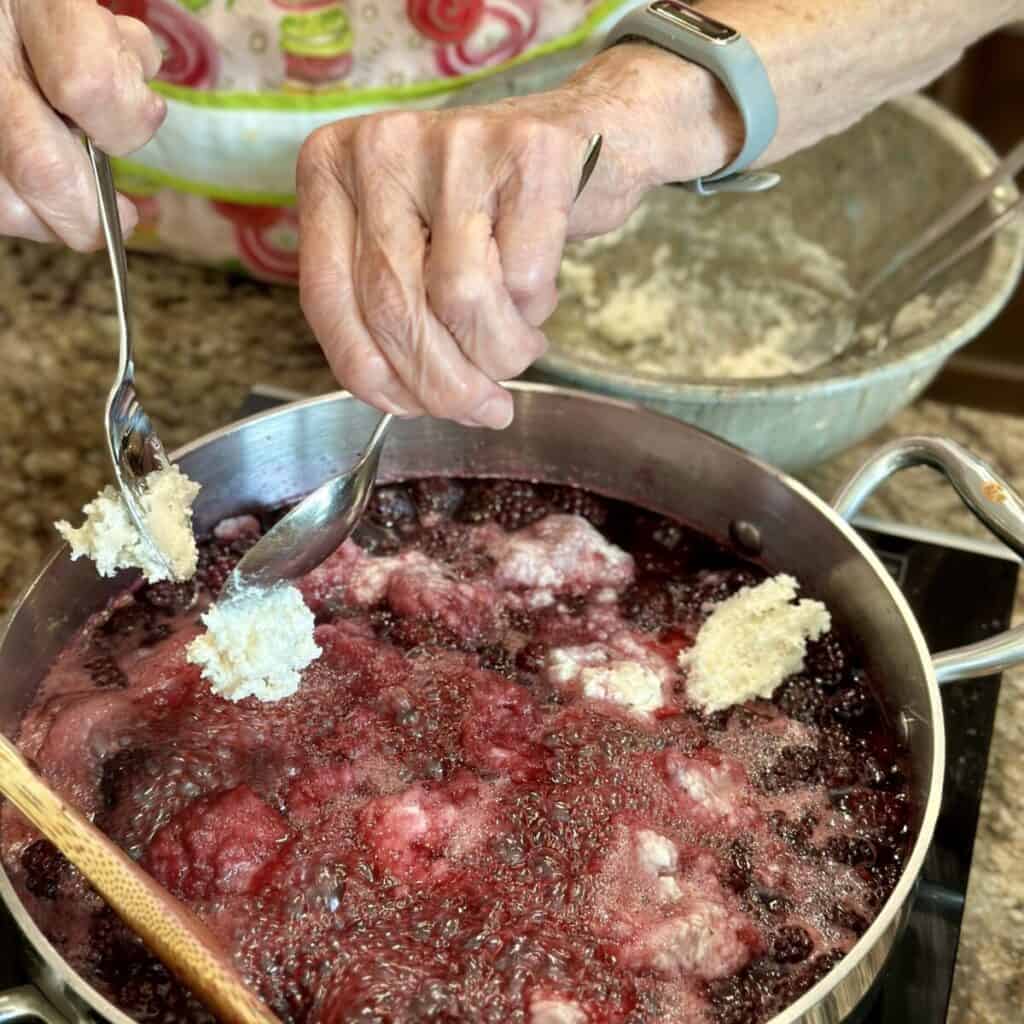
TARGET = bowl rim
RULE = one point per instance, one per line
(998, 281)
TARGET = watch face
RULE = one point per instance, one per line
(691, 20)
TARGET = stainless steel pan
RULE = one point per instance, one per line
(622, 451)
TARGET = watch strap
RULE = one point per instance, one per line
(736, 65)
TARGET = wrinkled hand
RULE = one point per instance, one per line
(74, 60)
(431, 243)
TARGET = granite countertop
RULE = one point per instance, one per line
(204, 338)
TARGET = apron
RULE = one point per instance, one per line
(246, 81)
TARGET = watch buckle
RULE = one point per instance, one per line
(744, 181)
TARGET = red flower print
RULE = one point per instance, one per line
(506, 29)
(445, 21)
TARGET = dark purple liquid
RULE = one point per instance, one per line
(437, 827)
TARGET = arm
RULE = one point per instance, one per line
(830, 63)
(431, 241)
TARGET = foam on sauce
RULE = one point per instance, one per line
(448, 819)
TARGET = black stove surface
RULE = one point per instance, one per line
(934, 576)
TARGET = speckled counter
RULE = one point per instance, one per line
(204, 339)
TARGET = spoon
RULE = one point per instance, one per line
(322, 521)
(134, 448)
(169, 928)
(887, 291)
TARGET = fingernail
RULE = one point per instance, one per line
(386, 404)
(495, 412)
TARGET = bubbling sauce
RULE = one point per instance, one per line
(443, 824)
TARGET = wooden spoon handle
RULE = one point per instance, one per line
(170, 930)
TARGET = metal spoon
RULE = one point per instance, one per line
(321, 522)
(880, 298)
(134, 448)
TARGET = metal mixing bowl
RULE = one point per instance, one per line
(861, 195)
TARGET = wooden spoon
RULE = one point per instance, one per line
(171, 931)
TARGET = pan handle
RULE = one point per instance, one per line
(987, 495)
(27, 1003)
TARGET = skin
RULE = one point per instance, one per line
(431, 240)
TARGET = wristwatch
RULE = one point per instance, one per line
(686, 32)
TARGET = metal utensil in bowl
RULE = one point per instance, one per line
(135, 450)
(323, 521)
(905, 276)
(621, 450)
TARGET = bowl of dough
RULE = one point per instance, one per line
(717, 310)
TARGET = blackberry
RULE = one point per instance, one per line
(443, 543)
(648, 605)
(667, 534)
(169, 598)
(376, 540)
(531, 658)
(118, 773)
(819, 967)
(790, 945)
(840, 761)
(391, 505)
(767, 902)
(850, 850)
(153, 635)
(423, 632)
(736, 1000)
(498, 659)
(105, 672)
(45, 869)
(216, 563)
(140, 984)
(512, 504)
(576, 502)
(800, 698)
(794, 766)
(850, 706)
(739, 866)
(825, 662)
(124, 622)
(847, 918)
(437, 496)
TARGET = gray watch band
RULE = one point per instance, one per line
(684, 31)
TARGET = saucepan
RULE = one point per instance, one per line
(622, 451)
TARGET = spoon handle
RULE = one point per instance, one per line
(174, 934)
(106, 194)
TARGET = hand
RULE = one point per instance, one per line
(74, 60)
(431, 241)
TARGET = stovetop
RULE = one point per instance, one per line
(934, 571)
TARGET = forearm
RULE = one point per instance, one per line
(830, 63)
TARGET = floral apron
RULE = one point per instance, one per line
(246, 81)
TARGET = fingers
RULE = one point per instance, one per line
(430, 252)
(390, 290)
(93, 69)
(532, 221)
(17, 219)
(327, 225)
(139, 39)
(467, 292)
(47, 167)
(362, 287)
